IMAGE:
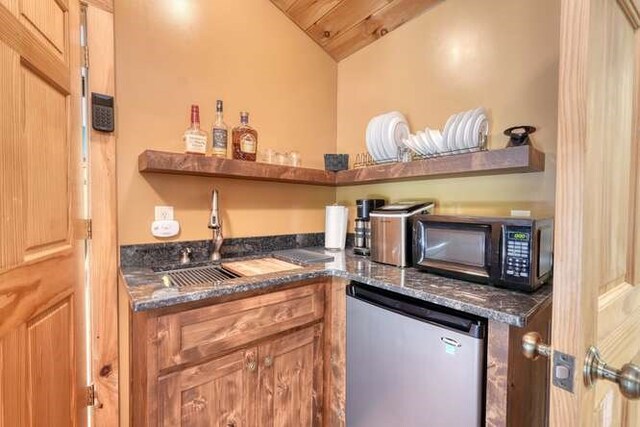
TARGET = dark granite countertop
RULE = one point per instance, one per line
(147, 290)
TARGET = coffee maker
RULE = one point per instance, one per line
(362, 243)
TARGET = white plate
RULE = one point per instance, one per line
(438, 140)
(430, 146)
(461, 131)
(447, 128)
(410, 145)
(476, 126)
(450, 143)
(395, 130)
(369, 136)
(378, 155)
(421, 142)
(416, 141)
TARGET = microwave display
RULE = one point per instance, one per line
(455, 245)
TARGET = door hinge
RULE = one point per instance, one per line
(85, 56)
(84, 229)
(91, 395)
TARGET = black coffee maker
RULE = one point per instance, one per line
(362, 244)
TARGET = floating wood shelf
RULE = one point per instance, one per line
(193, 164)
(493, 162)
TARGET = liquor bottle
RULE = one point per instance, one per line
(219, 133)
(244, 140)
(195, 139)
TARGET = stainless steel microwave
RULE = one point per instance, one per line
(511, 252)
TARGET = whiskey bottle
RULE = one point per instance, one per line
(244, 140)
(195, 139)
(219, 134)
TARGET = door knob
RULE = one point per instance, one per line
(533, 347)
(268, 361)
(627, 378)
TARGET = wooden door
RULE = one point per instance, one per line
(40, 255)
(290, 392)
(218, 393)
(597, 272)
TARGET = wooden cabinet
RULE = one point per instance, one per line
(216, 393)
(252, 361)
(276, 384)
(290, 391)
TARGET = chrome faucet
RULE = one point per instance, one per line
(215, 224)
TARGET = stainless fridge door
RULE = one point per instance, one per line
(406, 372)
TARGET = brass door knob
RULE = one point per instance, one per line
(627, 378)
(533, 347)
(268, 361)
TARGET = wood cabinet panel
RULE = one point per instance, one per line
(217, 393)
(194, 334)
(291, 380)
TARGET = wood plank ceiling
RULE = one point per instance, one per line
(343, 27)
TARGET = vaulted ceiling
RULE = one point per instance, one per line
(343, 27)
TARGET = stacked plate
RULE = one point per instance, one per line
(466, 130)
(385, 134)
(425, 143)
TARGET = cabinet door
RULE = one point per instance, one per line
(290, 392)
(220, 393)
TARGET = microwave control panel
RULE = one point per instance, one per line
(517, 245)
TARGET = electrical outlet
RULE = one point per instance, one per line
(164, 213)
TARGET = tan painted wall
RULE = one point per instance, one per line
(501, 54)
(172, 53)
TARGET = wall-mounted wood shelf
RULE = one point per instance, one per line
(193, 164)
(493, 162)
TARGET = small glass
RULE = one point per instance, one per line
(280, 158)
(294, 159)
(269, 156)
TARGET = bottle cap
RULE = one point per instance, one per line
(244, 117)
(195, 114)
(219, 106)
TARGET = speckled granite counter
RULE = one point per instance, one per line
(147, 290)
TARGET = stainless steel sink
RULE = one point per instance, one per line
(197, 276)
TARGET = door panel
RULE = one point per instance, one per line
(596, 294)
(47, 18)
(49, 353)
(41, 270)
(47, 160)
(290, 391)
(220, 393)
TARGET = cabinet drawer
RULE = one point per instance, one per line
(204, 332)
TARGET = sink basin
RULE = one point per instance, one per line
(195, 276)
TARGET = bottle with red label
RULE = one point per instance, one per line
(195, 139)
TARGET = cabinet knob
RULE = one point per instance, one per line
(252, 365)
(231, 424)
(268, 361)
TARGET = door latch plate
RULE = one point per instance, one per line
(563, 371)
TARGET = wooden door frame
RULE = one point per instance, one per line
(103, 247)
(572, 318)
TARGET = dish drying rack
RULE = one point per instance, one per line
(364, 159)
